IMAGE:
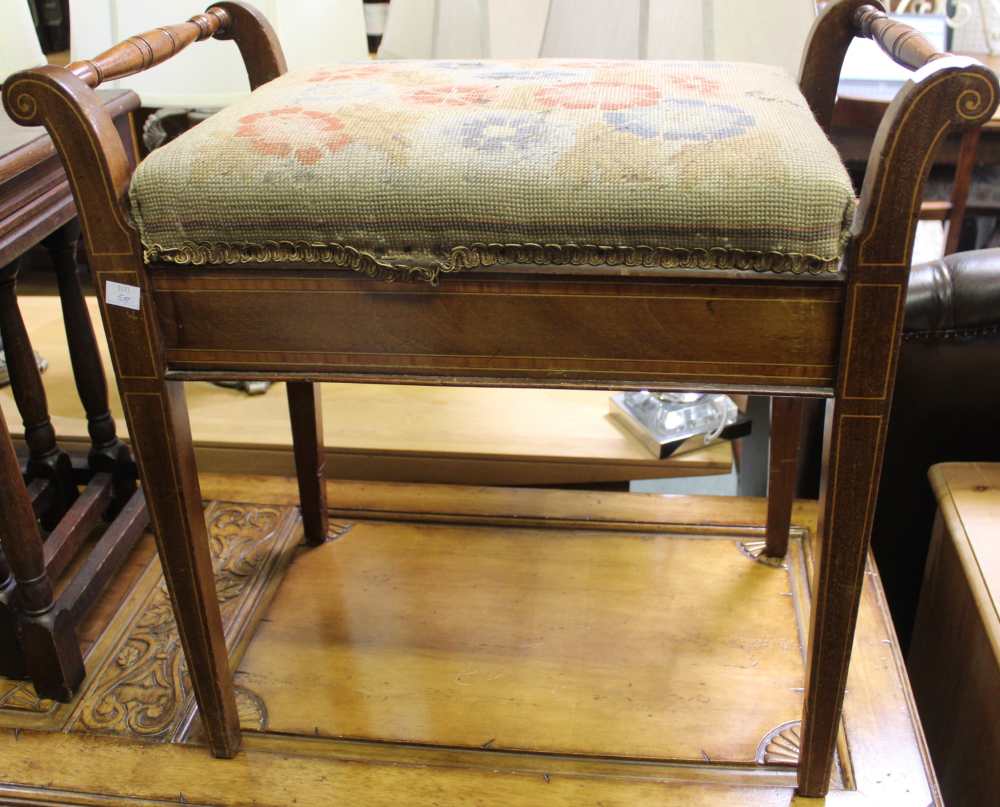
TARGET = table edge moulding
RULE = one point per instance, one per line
(840, 342)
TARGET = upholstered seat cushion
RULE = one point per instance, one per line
(428, 167)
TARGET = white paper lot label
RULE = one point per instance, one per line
(121, 295)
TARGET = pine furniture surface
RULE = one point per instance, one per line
(834, 336)
(954, 655)
(506, 667)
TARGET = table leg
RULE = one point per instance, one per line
(161, 435)
(46, 460)
(306, 413)
(107, 453)
(786, 428)
(46, 634)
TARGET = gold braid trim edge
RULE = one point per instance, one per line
(475, 256)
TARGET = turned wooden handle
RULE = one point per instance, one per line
(901, 43)
(140, 52)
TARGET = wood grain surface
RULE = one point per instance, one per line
(528, 583)
(389, 432)
(567, 642)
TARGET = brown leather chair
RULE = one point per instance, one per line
(946, 408)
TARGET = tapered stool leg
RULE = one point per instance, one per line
(45, 633)
(852, 455)
(161, 436)
(305, 410)
(786, 428)
(853, 443)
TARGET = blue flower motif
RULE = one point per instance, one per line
(682, 119)
(497, 133)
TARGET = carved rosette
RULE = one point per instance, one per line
(144, 688)
(251, 709)
(755, 551)
(780, 746)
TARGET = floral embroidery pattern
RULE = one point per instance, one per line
(414, 165)
(686, 119)
(699, 85)
(500, 133)
(278, 133)
(451, 95)
(607, 95)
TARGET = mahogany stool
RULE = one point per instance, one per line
(582, 224)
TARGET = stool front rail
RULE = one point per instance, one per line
(725, 331)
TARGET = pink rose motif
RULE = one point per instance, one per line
(699, 85)
(277, 132)
(606, 95)
(451, 95)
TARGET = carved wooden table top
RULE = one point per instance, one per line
(35, 196)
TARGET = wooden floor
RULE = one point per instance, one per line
(397, 433)
(473, 646)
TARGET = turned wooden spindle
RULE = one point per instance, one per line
(140, 52)
(108, 454)
(47, 635)
(901, 43)
(46, 460)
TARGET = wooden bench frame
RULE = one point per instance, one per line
(599, 327)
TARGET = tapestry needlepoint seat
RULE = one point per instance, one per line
(422, 167)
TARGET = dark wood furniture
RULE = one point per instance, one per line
(39, 638)
(840, 345)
